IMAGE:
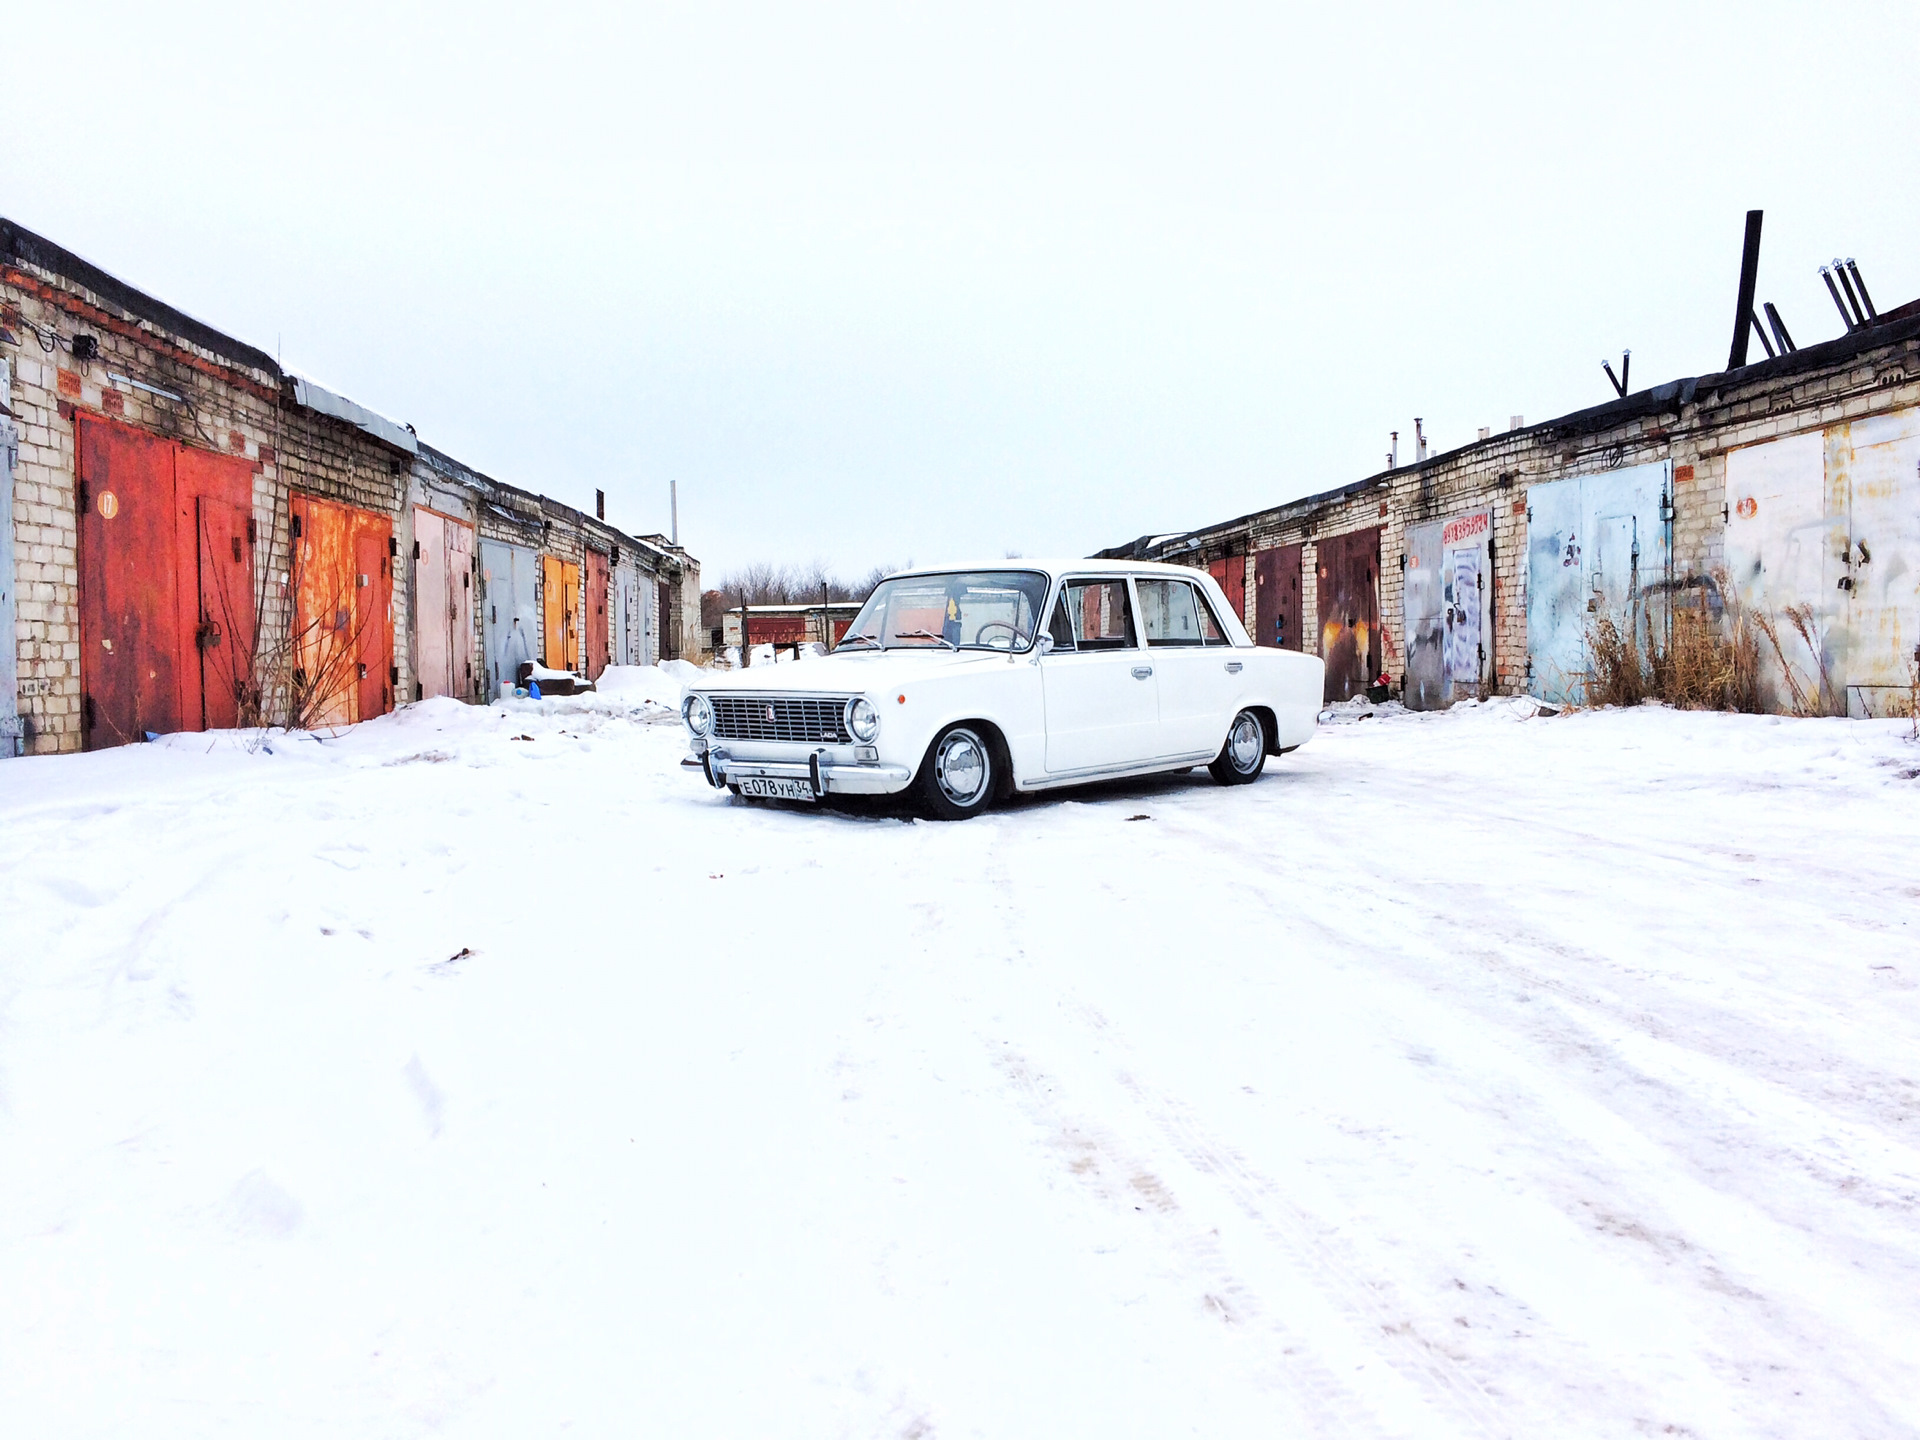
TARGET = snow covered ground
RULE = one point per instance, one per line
(479, 1073)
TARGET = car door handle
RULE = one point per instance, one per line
(1143, 672)
(1233, 667)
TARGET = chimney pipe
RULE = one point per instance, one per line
(1861, 286)
(1787, 347)
(1749, 277)
(599, 504)
(1419, 440)
(1846, 288)
(1838, 303)
(673, 498)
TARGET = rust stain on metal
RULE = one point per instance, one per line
(1349, 606)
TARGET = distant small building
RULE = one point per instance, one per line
(782, 626)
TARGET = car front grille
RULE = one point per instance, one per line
(775, 717)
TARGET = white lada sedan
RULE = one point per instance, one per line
(965, 685)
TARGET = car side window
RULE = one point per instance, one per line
(1170, 613)
(1061, 627)
(1212, 632)
(1100, 614)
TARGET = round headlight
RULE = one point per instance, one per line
(697, 713)
(863, 721)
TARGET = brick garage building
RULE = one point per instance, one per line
(1629, 497)
(199, 539)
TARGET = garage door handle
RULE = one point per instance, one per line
(1143, 672)
(1233, 667)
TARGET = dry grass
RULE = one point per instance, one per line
(1704, 662)
(1815, 697)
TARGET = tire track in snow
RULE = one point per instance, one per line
(1102, 1164)
(1361, 1308)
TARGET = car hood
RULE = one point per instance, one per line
(851, 672)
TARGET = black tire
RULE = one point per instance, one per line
(1244, 756)
(958, 778)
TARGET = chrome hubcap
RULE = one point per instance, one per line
(1245, 743)
(960, 767)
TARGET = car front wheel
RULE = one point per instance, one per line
(957, 779)
(1244, 755)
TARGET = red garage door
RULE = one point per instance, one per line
(1276, 597)
(1347, 570)
(166, 585)
(1232, 575)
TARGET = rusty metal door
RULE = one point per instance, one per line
(1466, 576)
(343, 616)
(461, 594)
(553, 613)
(1347, 569)
(509, 615)
(1597, 545)
(432, 606)
(623, 627)
(1232, 575)
(129, 600)
(1276, 597)
(1557, 541)
(372, 620)
(1877, 467)
(326, 646)
(596, 608)
(1782, 538)
(224, 627)
(443, 581)
(213, 497)
(12, 740)
(1424, 615)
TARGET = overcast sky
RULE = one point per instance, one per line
(885, 283)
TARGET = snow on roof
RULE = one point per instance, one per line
(317, 397)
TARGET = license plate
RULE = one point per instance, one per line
(771, 787)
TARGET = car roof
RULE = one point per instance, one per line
(1056, 568)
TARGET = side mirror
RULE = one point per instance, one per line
(1046, 644)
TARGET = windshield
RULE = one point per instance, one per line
(968, 610)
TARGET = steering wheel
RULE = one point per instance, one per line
(1020, 637)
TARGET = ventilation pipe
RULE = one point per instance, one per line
(1838, 303)
(1749, 277)
(1861, 286)
(1419, 440)
(1393, 455)
(1846, 288)
(1780, 335)
(1620, 380)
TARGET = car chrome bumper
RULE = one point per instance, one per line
(828, 777)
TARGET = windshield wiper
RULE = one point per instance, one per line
(926, 635)
(846, 640)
